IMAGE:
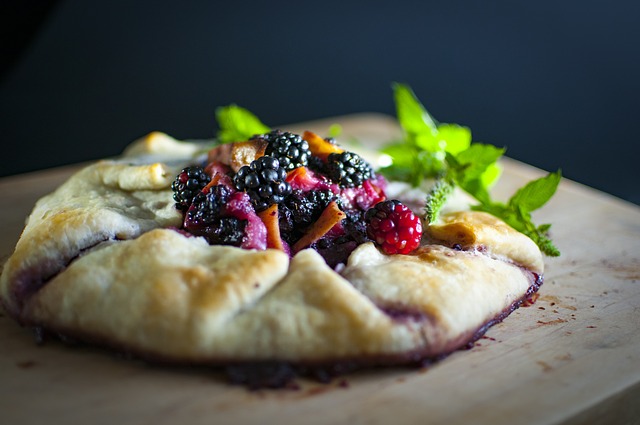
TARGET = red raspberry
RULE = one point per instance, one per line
(394, 227)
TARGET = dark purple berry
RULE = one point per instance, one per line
(306, 207)
(206, 207)
(264, 182)
(208, 217)
(225, 231)
(187, 185)
(348, 169)
(291, 150)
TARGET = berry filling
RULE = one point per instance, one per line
(290, 192)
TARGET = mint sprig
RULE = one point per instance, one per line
(446, 152)
(436, 198)
(425, 144)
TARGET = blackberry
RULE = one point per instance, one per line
(187, 185)
(321, 198)
(355, 228)
(225, 231)
(348, 169)
(206, 217)
(316, 164)
(306, 207)
(264, 182)
(394, 227)
(290, 149)
(207, 206)
(299, 210)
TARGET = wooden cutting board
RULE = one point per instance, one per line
(573, 357)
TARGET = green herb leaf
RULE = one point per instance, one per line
(547, 247)
(401, 155)
(491, 175)
(412, 116)
(237, 124)
(537, 192)
(544, 228)
(436, 198)
(473, 162)
(453, 138)
(478, 190)
(423, 150)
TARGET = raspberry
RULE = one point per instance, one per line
(394, 227)
(264, 182)
(187, 185)
(291, 150)
(348, 169)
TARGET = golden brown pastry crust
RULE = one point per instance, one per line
(478, 230)
(98, 259)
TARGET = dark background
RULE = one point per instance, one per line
(557, 82)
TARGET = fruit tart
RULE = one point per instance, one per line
(276, 255)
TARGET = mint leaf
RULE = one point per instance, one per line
(425, 143)
(546, 245)
(544, 228)
(400, 154)
(474, 169)
(478, 190)
(471, 163)
(402, 162)
(453, 138)
(491, 175)
(537, 234)
(237, 124)
(411, 164)
(412, 116)
(398, 172)
(436, 198)
(537, 192)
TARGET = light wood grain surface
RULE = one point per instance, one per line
(571, 358)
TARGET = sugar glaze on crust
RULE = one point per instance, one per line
(100, 260)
